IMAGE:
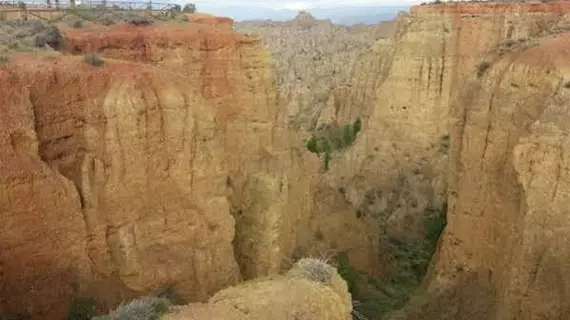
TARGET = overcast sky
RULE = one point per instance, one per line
(300, 4)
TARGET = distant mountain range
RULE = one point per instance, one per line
(340, 15)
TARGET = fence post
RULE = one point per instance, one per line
(48, 3)
(22, 6)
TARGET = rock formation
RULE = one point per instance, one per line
(310, 290)
(143, 155)
(505, 97)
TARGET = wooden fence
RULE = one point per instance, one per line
(56, 9)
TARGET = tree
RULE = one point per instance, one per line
(312, 145)
(189, 8)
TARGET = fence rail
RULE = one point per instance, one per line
(89, 4)
(56, 10)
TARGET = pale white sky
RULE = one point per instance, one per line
(301, 4)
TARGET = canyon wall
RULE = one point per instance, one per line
(502, 255)
(133, 176)
(327, 76)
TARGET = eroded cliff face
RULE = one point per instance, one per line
(40, 257)
(144, 160)
(134, 151)
(502, 255)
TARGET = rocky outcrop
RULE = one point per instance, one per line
(310, 290)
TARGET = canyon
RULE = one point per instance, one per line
(207, 160)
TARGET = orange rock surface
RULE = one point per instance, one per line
(117, 178)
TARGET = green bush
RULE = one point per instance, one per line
(145, 308)
(435, 222)
(169, 293)
(77, 24)
(4, 59)
(189, 8)
(408, 262)
(183, 18)
(82, 309)
(348, 273)
(332, 139)
(444, 144)
(94, 60)
(139, 21)
(482, 67)
(312, 145)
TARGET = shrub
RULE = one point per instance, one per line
(94, 60)
(444, 144)
(169, 293)
(435, 222)
(482, 67)
(145, 308)
(77, 24)
(348, 273)
(189, 8)
(51, 36)
(312, 145)
(332, 138)
(183, 18)
(106, 20)
(140, 21)
(82, 309)
(4, 59)
(313, 269)
(408, 259)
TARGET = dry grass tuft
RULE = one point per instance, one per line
(313, 269)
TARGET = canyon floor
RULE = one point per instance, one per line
(189, 167)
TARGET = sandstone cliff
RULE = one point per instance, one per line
(131, 168)
(503, 88)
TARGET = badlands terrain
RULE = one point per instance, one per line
(201, 169)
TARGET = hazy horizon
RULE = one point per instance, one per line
(342, 12)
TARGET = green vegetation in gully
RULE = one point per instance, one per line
(333, 138)
(408, 263)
